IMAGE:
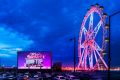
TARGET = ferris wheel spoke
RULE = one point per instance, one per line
(84, 30)
(97, 47)
(82, 45)
(96, 29)
(91, 22)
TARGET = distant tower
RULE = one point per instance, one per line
(90, 53)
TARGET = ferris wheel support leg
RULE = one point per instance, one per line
(102, 59)
(92, 61)
(81, 57)
(89, 62)
(85, 60)
(82, 63)
(96, 60)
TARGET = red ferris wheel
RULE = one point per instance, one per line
(90, 53)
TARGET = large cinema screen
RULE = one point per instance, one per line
(34, 60)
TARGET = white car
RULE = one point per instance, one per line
(36, 76)
(60, 78)
(71, 77)
(48, 75)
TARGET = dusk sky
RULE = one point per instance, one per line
(48, 25)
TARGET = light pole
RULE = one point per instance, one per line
(109, 55)
(74, 57)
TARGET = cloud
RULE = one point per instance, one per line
(11, 41)
(4, 55)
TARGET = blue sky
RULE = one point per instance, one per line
(48, 25)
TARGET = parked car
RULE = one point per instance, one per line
(60, 78)
(71, 77)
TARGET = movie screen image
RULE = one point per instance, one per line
(34, 60)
